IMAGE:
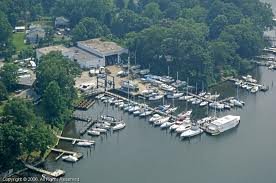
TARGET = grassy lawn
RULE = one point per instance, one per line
(18, 41)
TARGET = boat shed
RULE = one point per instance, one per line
(110, 51)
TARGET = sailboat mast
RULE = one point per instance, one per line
(128, 65)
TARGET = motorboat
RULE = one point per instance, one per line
(119, 126)
(197, 101)
(174, 95)
(86, 143)
(161, 121)
(70, 158)
(255, 89)
(122, 105)
(111, 101)
(155, 117)
(204, 103)
(118, 104)
(156, 97)
(207, 119)
(99, 96)
(167, 88)
(236, 102)
(134, 108)
(93, 133)
(108, 118)
(223, 124)
(147, 92)
(163, 107)
(176, 125)
(249, 87)
(101, 130)
(187, 97)
(166, 125)
(191, 99)
(128, 107)
(183, 127)
(136, 113)
(102, 125)
(178, 83)
(171, 110)
(249, 78)
(202, 94)
(146, 113)
(185, 114)
(191, 132)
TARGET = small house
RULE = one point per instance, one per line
(61, 22)
(35, 34)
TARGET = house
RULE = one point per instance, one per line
(35, 34)
(19, 29)
(61, 22)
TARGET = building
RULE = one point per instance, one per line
(107, 50)
(35, 34)
(61, 22)
(19, 29)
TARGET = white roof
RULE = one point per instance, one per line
(224, 120)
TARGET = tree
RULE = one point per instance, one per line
(89, 28)
(152, 11)
(5, 36)
(120, 4)
(3, 92)
(8, 74)
(19, 111)
(132, 5)
(217, 26)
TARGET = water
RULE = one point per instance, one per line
(142, 153)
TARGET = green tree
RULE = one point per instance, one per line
(19, 111)
(8, 74)
(120, 3)
(3, 92)
(152, 11)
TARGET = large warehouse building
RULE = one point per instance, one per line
(90, 53)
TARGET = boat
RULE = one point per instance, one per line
(204, 103)
(166, 125)
(191, 132)
(101, 130)
(145, 113)
(187, 97)
(184, 114)
(163, 107)
(202, 94)
(146, 92)
(161, 121)
(255, 89)
(166, 87)
(249, 78)
(118, 104)
(93, 133)
(119, 126)
(236, 102)
(111, 101)
(155, 117)
(171, 110)
(99, 96)
(178, 83)
(70, 158)
(183, 127)
(128, 107)
(102, 125)
(197, 101)
(108, 118)
(85, 144)
(156, 97)
(176, 125)
(249, 87)
(136, 113)
(134, 108)
(174, 95)
(222, 124)
(121, 105)
(191, 99)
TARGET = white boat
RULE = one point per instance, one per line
(191, 132)
(134, 108)
(102, 125)
(191, 99)
(156, 97)
(118, 104)
(136, 113)
(223, 124)
(202, 94)
(155, 117)
(166, 87)
(174, 95)
(128, 107)
(236, 102)
(204, 103)
(176, 125)
(185, 114)
(255, 89)
(145, 113)
(85, 144)
(187, 97)
(99, 96)
(121, 105)
(70, 158)
(119, 126)
(183, 127)
(249, 87)
(93, 133)
(166, 125)
(197, 101)
(101, 130)
(108, 118)
(161, 121)
(171, 110)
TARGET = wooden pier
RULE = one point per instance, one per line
(56, 173)
(79, 118)
(75, 140)
(62, 152)
(86, 127)
(85, 104)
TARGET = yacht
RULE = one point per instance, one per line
(119, 126)
(183, 127)
(174, 95)
(204, 103)
(177, 124)
(222, 124)
(255, 89)
(85, 144)
(171, 110)
(93, 133)
(70, 158)
(156, 97)
(166, 125)
(184, 114)
(191, 132)
(155, 117)
(161, 121)
(108, 118)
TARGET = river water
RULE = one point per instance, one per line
(142, 153)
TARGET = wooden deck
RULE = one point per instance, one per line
(86, 127)
(62, 152)
(74, 140)
(56, 173)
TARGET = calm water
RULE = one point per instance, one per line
(142, 153)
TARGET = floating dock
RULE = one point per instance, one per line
(57, 173)
(86, 127)
(79, 118)
(75, 140)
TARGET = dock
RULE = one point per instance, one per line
(62, 152)
(85, 104)
(75, 140)
(79, 118)
(86, 127)
(57, 173)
